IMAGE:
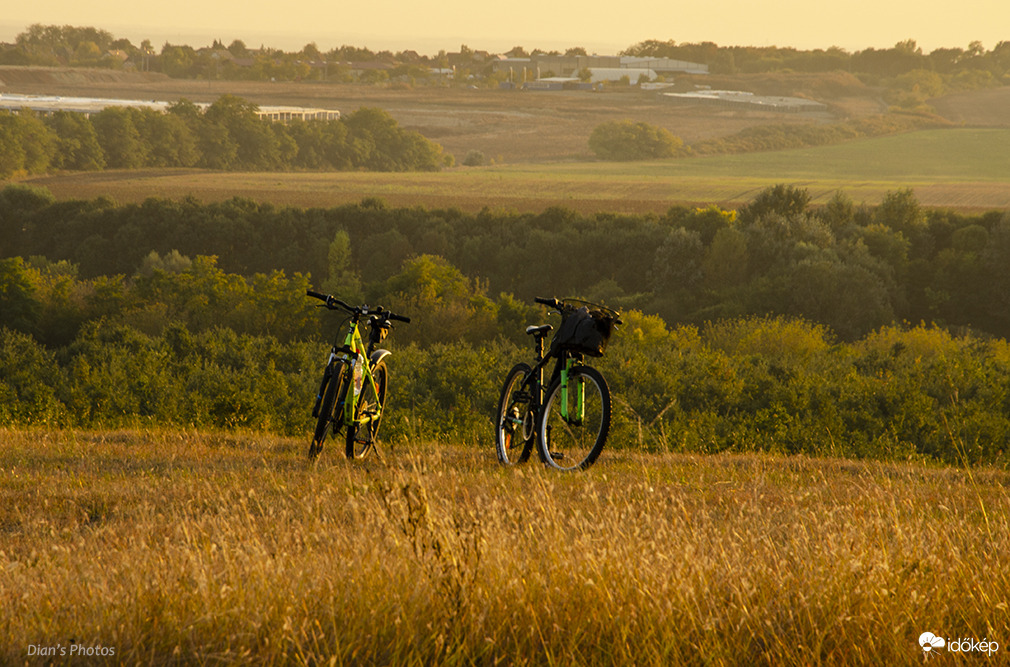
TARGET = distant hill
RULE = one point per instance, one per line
(11, 75)
(983, 108)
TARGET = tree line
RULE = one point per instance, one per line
(852, 268)
(227, 135)
(773, 384)
(906, 63)
(776, 326)
(904, 57)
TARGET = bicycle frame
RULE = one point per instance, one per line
(580, 394)
(563, 365)
(358, 358)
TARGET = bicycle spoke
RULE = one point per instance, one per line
(361, 435)
(575, 422)
(514, 423)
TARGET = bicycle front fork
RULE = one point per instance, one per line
(580, 396)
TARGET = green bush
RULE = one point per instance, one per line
(628, 140)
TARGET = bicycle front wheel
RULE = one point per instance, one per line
(362, 432)
(330, 415)
(515, 429)
(575, 421)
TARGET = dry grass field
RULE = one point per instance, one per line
(175, 547)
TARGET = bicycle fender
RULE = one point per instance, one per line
(377, 356)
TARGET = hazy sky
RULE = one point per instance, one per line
(548, 24)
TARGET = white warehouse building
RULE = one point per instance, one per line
(47, 104)
(634, 74)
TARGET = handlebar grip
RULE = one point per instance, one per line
(546, 302)
(330, 301)
(400, 318)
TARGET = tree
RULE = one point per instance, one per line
(77, 146)
(238, 48)
(847, 297)
(443, 302)
(628, 140)
(256, 147)
(26, 143)
(677, 264)
(839, 213)
(19, 309)
(12, 153)
(784, 200)
(38, 142)
(381, 145)
(341, 279)
(474, 158)
(177, 61)
(725, 263)
(311, 51)
(168, 141)
(119, 138)
(172, 262)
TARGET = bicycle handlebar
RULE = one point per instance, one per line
(333, 303)
(559, 305)
(553, 303)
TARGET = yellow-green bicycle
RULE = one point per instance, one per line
(352, 393)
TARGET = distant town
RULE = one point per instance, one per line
(681, 73)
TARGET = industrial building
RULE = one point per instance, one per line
(738, 99)
(600, 68)
(47, 104)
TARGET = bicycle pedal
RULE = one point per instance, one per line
(557, 456)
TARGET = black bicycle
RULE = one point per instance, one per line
(568, 421)
(352, 393)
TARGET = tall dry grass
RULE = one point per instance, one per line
(201, 548)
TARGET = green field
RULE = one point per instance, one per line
(930, 156)
(965, 169)
(175, 547)
(972, 162)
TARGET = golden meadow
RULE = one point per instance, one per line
(185, 547)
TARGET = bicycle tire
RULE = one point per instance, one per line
(335, 388)
(514, 416)
(361, 438)
(575, 442)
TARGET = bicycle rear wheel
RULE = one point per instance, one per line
(515, 423)
(331, 413)
(574, 424)
(362, 432)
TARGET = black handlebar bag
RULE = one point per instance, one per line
(583, 331)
